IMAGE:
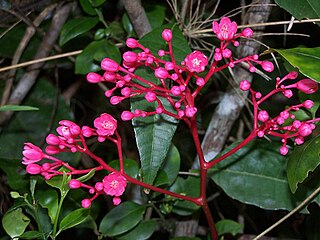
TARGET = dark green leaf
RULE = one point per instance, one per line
(304, 159)
(109, 50)
(315, 98)
(256, 175)
(61, 182)
(121, 219)
(141, 232)
(48, 199)
(97, 3)
(73, 219)
(189, 187)
(228, 226)
(301, 8)
(17, 108)
(305, 59)
(131, 167)
(161, 179)
(155, 14)
(15, 222)
(171, 165)
(76, 27)
(127, 25)
(13, 169)
(312, 224)
(87, 7)
(32, 235)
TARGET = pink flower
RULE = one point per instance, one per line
(263, 116)
(196, 61)
(225, 30)
(31, 154)
(106, 125)
(305, 130)
(114, 184)
(68, 129)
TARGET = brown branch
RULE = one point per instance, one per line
(137, 16)
(228, 110)
(32, 72)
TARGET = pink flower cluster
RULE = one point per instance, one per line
(175, 82)
(71, 137)
(284, 126)
(113, 184)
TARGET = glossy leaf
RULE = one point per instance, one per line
(121, 219)
(61, 182)
(97, 3)
(15, 222)
(155, 14)
(74, 218)
(89, 59)
(301, 8)
(31, 235)
(141, 232)
(305, 59)
(171, 166)
(228, 226)
(256, 175)
(87, 176)
(48, 199)
(303, 160)
(87, 7)
(189, 187)
(76, 27)
(17, 108)
(130, 167)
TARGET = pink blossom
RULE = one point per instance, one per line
(114, 184)
(200, 82)
(190, 111)
(31, 154)
(308, 104)
(115, 100)
(292, 75)
(299, 140)
(161, 73)
(86, 131)
(247, 32)
(167, 35)
(109, 76)
(150, 96)
(287, 93)
(68, 129)
(307, 86)
(169, 66)
(267, 66)
(33, 169)
(130, 57)
(225, 30)
(106, 125)
(52, 139)
(226, 53)
(116, 201)
(304, 130)
(263, 116)
(52, 149)
(175, 90)
(196, 61)
(284, 150)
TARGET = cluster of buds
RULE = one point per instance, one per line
(284, 125)
(173, 79)
(71, 137)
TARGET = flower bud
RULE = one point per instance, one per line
(86, 203)
(167, 35)
(308, 104)
(200, 82)
(126, 91)
(267, 66)
(132, 43)
(190, 111)
(126, 115)
(284, 150)
(116, 201)
(263, 116)
(115, 100)
(305, 130)
(130, 57)
(86, 131)
(109, 65)
(292, 75)
(93, 77)
(74, 184)
(52, 150)
(109, 76)
(175, 90)
(247, 32)
(150, 96)
(52, 139)
(307, 86)
(33, 169)
(161, 73)
(245, 85)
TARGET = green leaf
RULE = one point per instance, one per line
(87, 7)
(17, 108)
(306, 60)
(76, 27)
(96, 50)
(171, 165)
(127, 25)
(228, 226)
(73, 219)
(188, 187)
(155, 14)
(31, 235)
(61, 182)
(15, 222)
(13, 169)
(301, 8)
(304, 159)
(87, 176)
(48, 199)
(121, 219)
(316, 100)
(141, 232)
(131, 167)
(97, 3)
(255, 175)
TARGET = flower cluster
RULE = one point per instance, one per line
(176, 83)
(284, 125)
(113, 184)
(71, 137)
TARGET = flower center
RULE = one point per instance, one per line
(224, 29)
(108, 125)
(114, 184)
(196, 62)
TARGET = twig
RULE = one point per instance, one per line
(137, 16)
(30, 76)
(40, 60)
(295, 210)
